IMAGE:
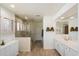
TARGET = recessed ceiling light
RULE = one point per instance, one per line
(12, 6)
(26, 17)
(62, 17)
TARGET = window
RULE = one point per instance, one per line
(18, 26)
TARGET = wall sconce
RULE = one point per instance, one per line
(76, 28)
(52, 29)
(72, 29)
(49, 29)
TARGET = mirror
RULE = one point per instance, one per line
(62, 27)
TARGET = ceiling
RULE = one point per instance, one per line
(32, 9)
(70, 13)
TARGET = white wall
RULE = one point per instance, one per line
(73, 23)
(48, 39)
(4, 35)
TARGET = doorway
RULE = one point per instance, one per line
(66, 29)
(37, 34)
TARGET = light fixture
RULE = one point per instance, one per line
(12, 6)
(26, 17)
(72, 29)
(62, 17)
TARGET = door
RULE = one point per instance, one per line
(66, 29)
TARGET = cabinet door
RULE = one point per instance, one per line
(70, 52)
(67, 51)
(24, 44)
(1, 52)
(73, 52)
(61, 49)
(55, 44)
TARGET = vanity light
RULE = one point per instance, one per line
(49, 29)
(76, 28)
(52, 29)
(72, 29)
(12, 6)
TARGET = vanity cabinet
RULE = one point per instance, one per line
(64, 50)
(71, 52)
(59, 47)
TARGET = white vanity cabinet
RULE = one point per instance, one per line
(71, 52)
(65, 50)
(59, 47)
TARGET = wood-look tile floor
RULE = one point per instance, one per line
(37, 50)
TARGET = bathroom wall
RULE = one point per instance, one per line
(7, 25)
(49, 36)
(74, 34)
